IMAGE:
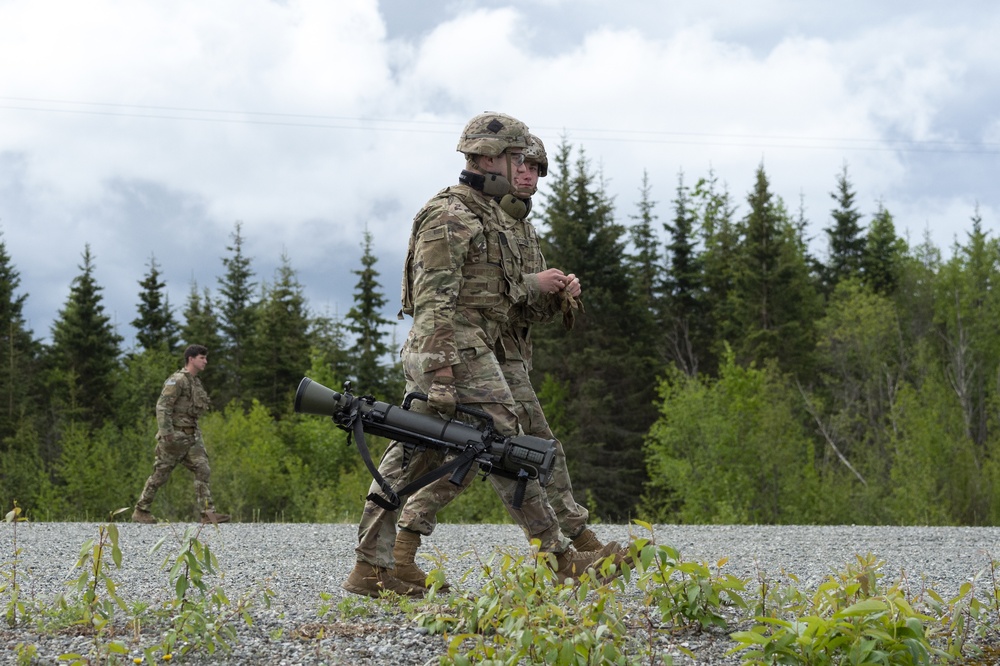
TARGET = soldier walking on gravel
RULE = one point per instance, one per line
(178, 438)
(461, 277)
(418, 516)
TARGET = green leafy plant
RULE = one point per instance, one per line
(348, 608)
(522, 615)
(850, 619)
(972, 616)
(25, 653)
(773, 597)
(201, 616)
(15, 608)
(685, 592)
(95, 593)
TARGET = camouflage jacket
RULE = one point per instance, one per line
(461, 276)
(516, 335)
(181, 402)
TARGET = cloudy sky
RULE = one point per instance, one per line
(148, 129)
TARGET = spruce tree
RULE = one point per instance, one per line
(884, 254)
(20, 391)
(719, 235)
(914, 296)
(604, 368)
(201, 325)
(645, 274)
(775, 303)
(237, 320)
(280, 352)
(846, 237)
(683, 323)
(369, 353)
(155, 325)
(967, 308)
(328, 347)
(85, 352)
(644, 264)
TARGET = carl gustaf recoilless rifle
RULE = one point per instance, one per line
(520, 457)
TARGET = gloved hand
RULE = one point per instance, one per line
(442, 396)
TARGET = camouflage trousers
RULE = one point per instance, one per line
(419, 513)
(480, 384)
(188, 449)
(559, 489)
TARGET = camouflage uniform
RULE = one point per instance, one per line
(181, 402)
(419, 513)
(461, 278)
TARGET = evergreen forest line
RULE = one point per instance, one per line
(723, 375)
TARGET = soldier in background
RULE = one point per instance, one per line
(418, 516)
(460, 279)
(178, 438)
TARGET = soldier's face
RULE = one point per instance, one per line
(526, 180)
(199, 361)
(508, 164)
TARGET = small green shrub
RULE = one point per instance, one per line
(522, 615)
(200, 615)
(93, 594)
(15, 609)
(686, 592)
(850, 619)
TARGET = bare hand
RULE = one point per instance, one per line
(572, 286)
(551, 281)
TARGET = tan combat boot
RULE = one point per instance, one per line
(587, 541)
(404, 552)
(211, 517)
(371, 581)
(144, 517)
(571, 564)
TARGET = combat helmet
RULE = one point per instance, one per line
(535, 152)
(491, 133)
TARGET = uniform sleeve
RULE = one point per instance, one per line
(165, 405)
(539, 307)
(440, 251)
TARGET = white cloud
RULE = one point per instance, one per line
(309, 122)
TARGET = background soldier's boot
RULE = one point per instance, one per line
(215, 518)
(140, 516)
(404, 552)
(573, 564)
(372, 581)
(587, 541)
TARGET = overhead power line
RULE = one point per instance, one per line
(416, 126)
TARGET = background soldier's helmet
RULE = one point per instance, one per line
(535, 152)
(492, 133)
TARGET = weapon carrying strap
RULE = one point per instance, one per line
(394, 498)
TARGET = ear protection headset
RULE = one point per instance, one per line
(496, 186)
(490, 184)
(516, 207)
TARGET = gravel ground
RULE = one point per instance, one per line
(299, 562)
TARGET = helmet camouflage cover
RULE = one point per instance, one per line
(535, 152)
(492, 133)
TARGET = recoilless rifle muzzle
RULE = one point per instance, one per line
(520, 457)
